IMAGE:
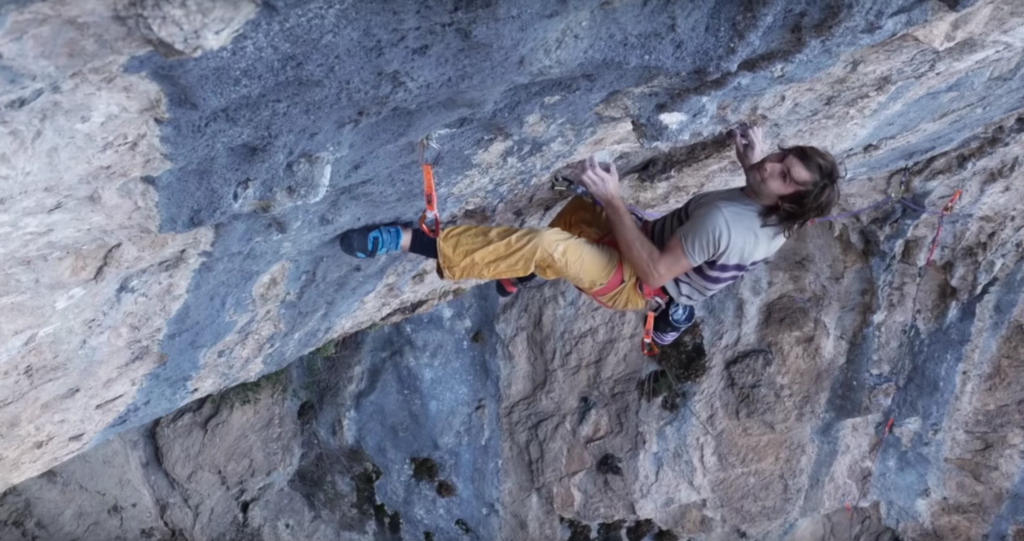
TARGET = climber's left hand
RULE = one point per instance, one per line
(602, 183)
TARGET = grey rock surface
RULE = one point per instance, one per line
(361, 84)
(113, 492)
(174, 173)
(546, 426)
(387, 435)
(184, 243)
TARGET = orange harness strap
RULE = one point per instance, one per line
(647, 345)
(612, 284)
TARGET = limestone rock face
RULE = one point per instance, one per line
(186, 27)
(175, 172)
(88, 282)
(393, 430)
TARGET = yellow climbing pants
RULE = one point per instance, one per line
(569, 248)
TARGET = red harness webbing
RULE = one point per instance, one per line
(647, 345)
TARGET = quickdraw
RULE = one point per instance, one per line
(430, 198)
(852, 213)
(430, 220)
(886, 431)
(647, 346)
(946, 211)
(656, 300)
(564, 184)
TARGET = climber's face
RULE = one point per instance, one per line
(777, 175)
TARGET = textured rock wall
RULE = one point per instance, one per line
(400, 431)
(387, 435)
(168, 223)
(89, 282)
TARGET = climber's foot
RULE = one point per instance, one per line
(671, 322)
(372, 241)
(508, 286)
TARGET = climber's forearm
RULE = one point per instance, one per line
(652, 267)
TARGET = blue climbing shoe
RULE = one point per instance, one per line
(371, 241)
(672, 321)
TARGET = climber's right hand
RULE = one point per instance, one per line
(601, 180)
(749, 143)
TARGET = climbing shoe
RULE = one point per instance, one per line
(671, 322)
(508, 286)
(371, 241)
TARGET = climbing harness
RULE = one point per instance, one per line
(430, 220)
(946, 211)
(655, 297)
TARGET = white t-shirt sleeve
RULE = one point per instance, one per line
(704, 236)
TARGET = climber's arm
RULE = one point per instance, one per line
(653, 266)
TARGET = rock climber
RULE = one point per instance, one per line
(623, 261)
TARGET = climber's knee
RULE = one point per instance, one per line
(585, 263)
(549, 238)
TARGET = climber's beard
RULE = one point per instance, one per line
(755, 188)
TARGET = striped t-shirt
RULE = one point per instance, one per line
(722, 237)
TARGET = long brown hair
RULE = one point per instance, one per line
(793, 211)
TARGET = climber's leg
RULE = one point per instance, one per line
(580, 217)
(480, 252)
(495, 253)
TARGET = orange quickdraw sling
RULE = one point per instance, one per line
(430, 198)
(430, 220)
